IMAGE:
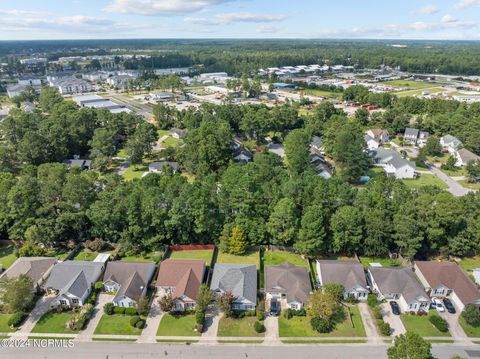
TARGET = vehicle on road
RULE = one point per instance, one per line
(395, 308)
(438, 305)
(449, 305)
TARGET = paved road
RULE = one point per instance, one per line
(453, 187)
(117, 350)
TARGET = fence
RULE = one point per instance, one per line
(191, 247)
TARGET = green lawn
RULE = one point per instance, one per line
(421, 325)
(470, 263)
(6, 256)
(300, 327)
(459, 171)
(170, 142)
(135, 171)
(4, 328)
(467, 184)
(425, 180)
(162, 133)
(469, 330)
(88, 255)
(116, 324)
(53, 323)
(230, 327)
(177, 326)
(122, 153)
(386, 262)
(430, 90)
(411, 84)
(321, 93)
(251, 257)
(205, 255)
(150, 257)
(273, 258)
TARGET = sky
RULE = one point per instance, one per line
(372, 19)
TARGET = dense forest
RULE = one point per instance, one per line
(243, 56)
(270, 201)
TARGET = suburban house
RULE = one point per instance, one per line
(350, 274)
(181, 279)
(378, 135)
(36, 268)
(321, 166)
(73, 281)
(317, 145)
(399, 284)
(128, 280)
(372, 144)
(393, 164)
(178, 133)
(238, 279)
(157, 167)
(4, 111)
(446, 279)
(464, 156)
(411, 135)
(422, 138)
(450, 143)
(242, 155)
(288, 284)
(79, 163)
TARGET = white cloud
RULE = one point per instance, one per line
(161, 7)
(225, 19)
(428, 10)
(463, 4)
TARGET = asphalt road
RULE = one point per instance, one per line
(453, 187)
(118, 350)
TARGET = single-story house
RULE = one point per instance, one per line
(178, 133)
(350, 274)
(82, 164)
(128, 280)
(399, 284)
(181, 279)
(73, 281)
(464, 156)
(157, 167)
(393, 164)
(451, 143)
(446, 279)
(36, 268)
(322, 168)
(238, 279)
(289, 284)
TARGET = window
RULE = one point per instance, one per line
(75, 301)
(63, 302)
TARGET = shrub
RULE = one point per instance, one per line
(31, 249)
(385, 328)
(119, 310)
(260, 315)
(350, 300)
(321, 325)
(96, 245)
(199, 317)
(372, 300)
(259, 327)
(471, 314)
(92, 298)
(300, 313)
(98, 286)
(134, 320)
(287, 313)
(377, 313)
(109, 308)
(166, 303)
(131, 311)
(439, 323)
(250, 313)
(16, 319)
(199, 328)
(422, 313)
(140, 324)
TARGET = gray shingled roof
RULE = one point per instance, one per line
(289, 279)
(411, 133)
(239, 279)
(34, 267)
(398, 280)
(350, 274)
(161, 164)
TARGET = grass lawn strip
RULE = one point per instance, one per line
(325, 341)
(177, 326)
(421, 325)
(425, 180)
(251, 257)
(231, 327)
(274, 258)
(4, 328)
(116, 324)
(88, 255)
(204, 254)
(54, 323)
(385, 262)
(7, 256)
(469, 330)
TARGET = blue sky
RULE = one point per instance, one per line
(85, 19)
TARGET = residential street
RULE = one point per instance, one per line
(453, 187)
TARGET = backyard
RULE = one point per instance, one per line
(177, 326)
(88, 255)
(468, 264)
(251, 257)
(425, 180)
(135, 171)
(203, 254)
(148, 257)
(232, 327)
(385, 262)
(421, 325)
(300, 327)
(7, 256)
(273, 258)
(116, 324)
(54, 323)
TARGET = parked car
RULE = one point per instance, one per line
(395, 308)
(449, 305)
(437, 304)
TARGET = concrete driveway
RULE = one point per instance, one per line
(152, 323)
(41, 307)
(368, 321)
(87, 333)
(456, 330)
(394, 320)
(271, 333)
(453, 187)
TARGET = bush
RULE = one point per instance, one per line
(372, 300)
(471, 314)
(377, 313)
(92, 298)
(98, 286)
(119, 310)
(109, 308)
(321, 325)
(134, 320)
(31, 249)
(16, 319)
(287, 313)
(350, 300)
(250, 313)
(96, 245)
(385, 328)
(131, 311)
(260, 315)
(199, 317)
(140, 324)
(439, 323)
(199, 328)
(259, 327)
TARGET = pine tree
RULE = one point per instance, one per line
(237, 242)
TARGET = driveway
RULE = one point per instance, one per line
(123, 168)
(271, 333)
(152, 323)
(456, 330)
(41, 307)
(368, 322)
(394, 320)
(210, 327)
(86, 334)
(453, 187)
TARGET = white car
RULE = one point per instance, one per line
(437, 303)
